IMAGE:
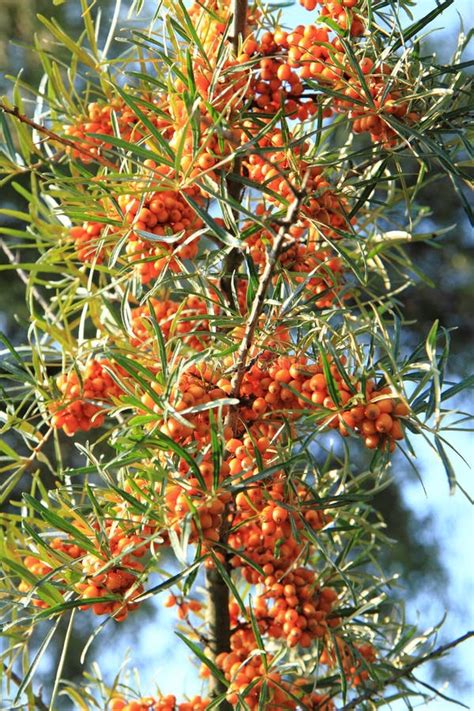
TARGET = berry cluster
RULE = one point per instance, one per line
(85, 396)
(370, 105)
(355, 659)
(198, 386)
(118, 584)
(303, 261)
(185, 321)
(300, 611)
(163, 703)
(270, 526)
(247, 669)
(326, 210)
(122, 543)
(99, 121)
(161, 214)
(341, 12)
(88, 240)
(40, 568)
(206, 510)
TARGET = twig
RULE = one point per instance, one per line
(259, 300)
(235, 256)
(15, 111)
(24, 278)
(406, 671)
(36, 450)
(441, 695)
(39, 703)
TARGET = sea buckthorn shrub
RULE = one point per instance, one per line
(216, 324)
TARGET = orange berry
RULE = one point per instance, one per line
(383, 423)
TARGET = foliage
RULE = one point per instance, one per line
(220, 217)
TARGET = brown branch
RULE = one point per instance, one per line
(36, 450)
(218, 618)
(38, 701)
(234, 257)
(239, 22)
(218, 622)
(406, 671)
(259, 300)
(15, 112)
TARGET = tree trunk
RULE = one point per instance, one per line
(218, 619)
(218, 623)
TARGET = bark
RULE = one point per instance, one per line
(39, 704)
(259, 300)
(218, 623)
(218, 593)
(218, 619)
(239, 21)
(235, 256)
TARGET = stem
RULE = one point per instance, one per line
(218, 619)
(218, 622)
(38, 701)
(239, 22)
(259, 300)
(15, 111)
(218, 604)
(405, 671)
(235, 256)
(24, 278)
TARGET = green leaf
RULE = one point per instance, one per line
(448, 467)
(331, 383)
(27, 678)
(208, 220)
(169, 582)
(131, 103)
(74, 47)
(47, 592)
(167, 444)
(465, 384)
(59, 523)
(420, 25)
(196, 649)
(227, 578)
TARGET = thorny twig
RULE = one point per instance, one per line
(259, 300)
(38, 701)
(235, 256)
(15, 111)
(405, 671)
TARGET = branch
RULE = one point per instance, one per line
(218, 621)
(239, 22)
(406, 671)
(38, 701)
(234, 257)
(259, 300)
(15, 111)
